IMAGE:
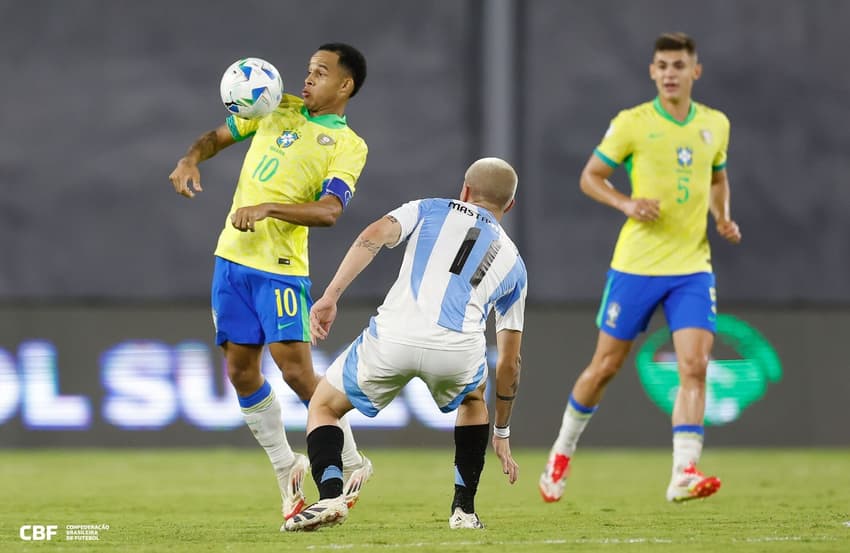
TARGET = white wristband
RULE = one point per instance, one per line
(501, 433)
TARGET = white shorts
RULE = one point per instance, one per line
(371, 373)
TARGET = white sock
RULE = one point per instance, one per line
(350, 456)
(266, 423)
(576, 417)
(687, 447)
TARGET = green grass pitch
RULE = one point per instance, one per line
(227, 500)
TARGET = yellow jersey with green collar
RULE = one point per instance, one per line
(293, 159)
(671, 161)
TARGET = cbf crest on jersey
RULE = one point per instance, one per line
(287, 138)
(685, 156)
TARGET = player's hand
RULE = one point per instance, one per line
(186, 178)
(729, 230)
(322, 316)
(245, 218)
(642, 209)
(502, 447)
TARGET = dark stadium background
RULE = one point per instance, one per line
(103, 264)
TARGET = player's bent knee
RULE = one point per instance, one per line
(296, 366)
(472, 403)
(239, 376)
(299, 374)
(240, 371)
(473, 406)
(327, 406)
(691, 380)
(303, 383)
(605, 367)
(475, 398)
(694, 366)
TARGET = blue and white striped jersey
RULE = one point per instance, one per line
(458, 265)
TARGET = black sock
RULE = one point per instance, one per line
(324, 447)
(470, 447)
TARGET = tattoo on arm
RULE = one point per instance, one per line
(514, 386)
(391, 218)
(372, 247)
(206, 146)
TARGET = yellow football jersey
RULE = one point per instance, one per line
(671, 161)
(291, 159)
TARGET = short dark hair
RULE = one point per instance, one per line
(351, 59)
(675, 41)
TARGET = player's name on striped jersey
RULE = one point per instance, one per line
(457, 206)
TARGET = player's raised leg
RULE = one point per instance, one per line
(693, 346)
(324, 446)
(295, 362)
(472, 431)
(262, 413)
(583, 402)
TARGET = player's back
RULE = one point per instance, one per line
(458, 264)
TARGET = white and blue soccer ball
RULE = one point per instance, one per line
(251, 88)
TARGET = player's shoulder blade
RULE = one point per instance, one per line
(432, 206)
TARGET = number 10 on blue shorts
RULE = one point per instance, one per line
(257, 307)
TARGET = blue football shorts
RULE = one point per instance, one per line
(689, 301)
(257, 307)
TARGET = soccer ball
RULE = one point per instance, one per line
(251, 88)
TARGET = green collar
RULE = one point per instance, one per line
(663, 112)
(329, 120)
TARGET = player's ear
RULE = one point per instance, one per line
(697, 70)
(510, 205)
(347, 87)
(464, 192)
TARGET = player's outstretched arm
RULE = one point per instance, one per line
(726, 227)
(385, 230)
(186, 178)
(594, 182)
(508, 369)
(323, 212)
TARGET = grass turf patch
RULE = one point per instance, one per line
(227, 500)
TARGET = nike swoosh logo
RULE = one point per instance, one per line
(285, 325)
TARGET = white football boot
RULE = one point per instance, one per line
(691, 484)
(322, 514)
(459, 519)
(354, 478)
